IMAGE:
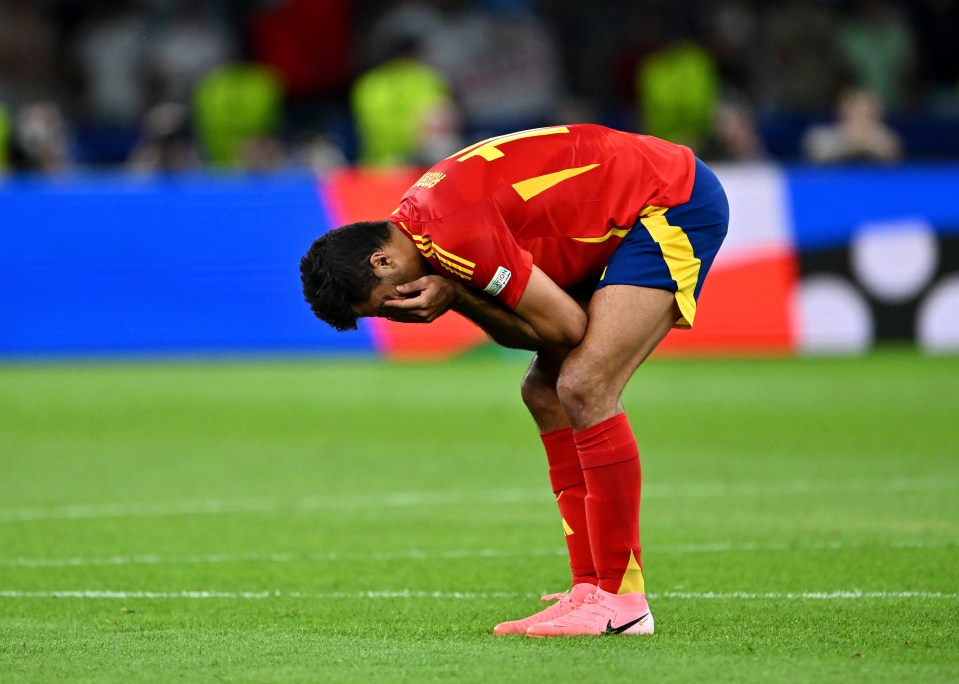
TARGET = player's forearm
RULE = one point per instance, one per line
(503, 325)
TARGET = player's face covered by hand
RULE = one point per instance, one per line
(384, 291)
(393, 270)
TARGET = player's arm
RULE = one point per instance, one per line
(544, 317)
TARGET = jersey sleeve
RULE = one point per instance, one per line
(487, 258)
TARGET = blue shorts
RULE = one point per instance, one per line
(672, 249)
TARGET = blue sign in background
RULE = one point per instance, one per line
(120, 265)
(828, 204)
(207, 264)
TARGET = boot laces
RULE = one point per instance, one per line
(562, 597)
(592, 609)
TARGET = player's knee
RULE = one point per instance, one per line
(538, 394)
(578, 389)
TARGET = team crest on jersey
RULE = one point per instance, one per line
(500, 278)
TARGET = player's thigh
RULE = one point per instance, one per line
(626, 322)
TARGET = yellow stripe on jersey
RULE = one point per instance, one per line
(424, 244)
(531, 187)
(453, 267)
(452, 263)
(489, 149)
(680, 260)
(613, 232)
(453, 257)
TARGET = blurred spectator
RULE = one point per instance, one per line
(503, 66)
(27, 53)
(307, 43)
(508, 64)
(440, 134)
(318, 153)
(937, 22)
(39, 142)
(732, 32)
(859, 134)
(166, 145)
(735, 134)
(879, 51)
(797, 68)
(677, 89)
(189, 44)
(401, 20)
(259, 153)
(110, 50)
(403, 112)
(237, 113)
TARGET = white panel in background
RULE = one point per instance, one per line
(834, 318)
(759, 218)
(937, 324)
(895, 259)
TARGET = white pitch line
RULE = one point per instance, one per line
(802, 596)
(466, 554)
(748, 547)
(844, 595)
(368, 502)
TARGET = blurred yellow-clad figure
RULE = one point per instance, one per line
(4, 137)
(237, 107)
(400, 109)
(677, 90)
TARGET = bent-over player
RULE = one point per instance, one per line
(513, 233)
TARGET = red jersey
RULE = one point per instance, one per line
(561, 198)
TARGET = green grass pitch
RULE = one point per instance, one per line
(353, 520)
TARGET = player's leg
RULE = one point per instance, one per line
(626, 324)
(651, 284)
(566, 480)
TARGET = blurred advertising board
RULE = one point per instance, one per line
(817, 260)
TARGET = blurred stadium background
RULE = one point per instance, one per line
(167, 162)
(172, 416)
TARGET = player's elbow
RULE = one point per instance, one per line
(568, 329)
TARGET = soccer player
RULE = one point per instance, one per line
(585, 245)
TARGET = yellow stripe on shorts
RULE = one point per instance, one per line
(680, 260)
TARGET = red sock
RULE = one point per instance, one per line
(610, 462)
(566, 477)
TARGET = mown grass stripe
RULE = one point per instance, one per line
(366, 502)
(467, 554)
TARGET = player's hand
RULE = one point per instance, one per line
(424, 300)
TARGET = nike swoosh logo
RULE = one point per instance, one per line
(622, 628)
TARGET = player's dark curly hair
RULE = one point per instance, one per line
(336, 271)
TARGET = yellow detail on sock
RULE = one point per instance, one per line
(566, 528)
(633, 577)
